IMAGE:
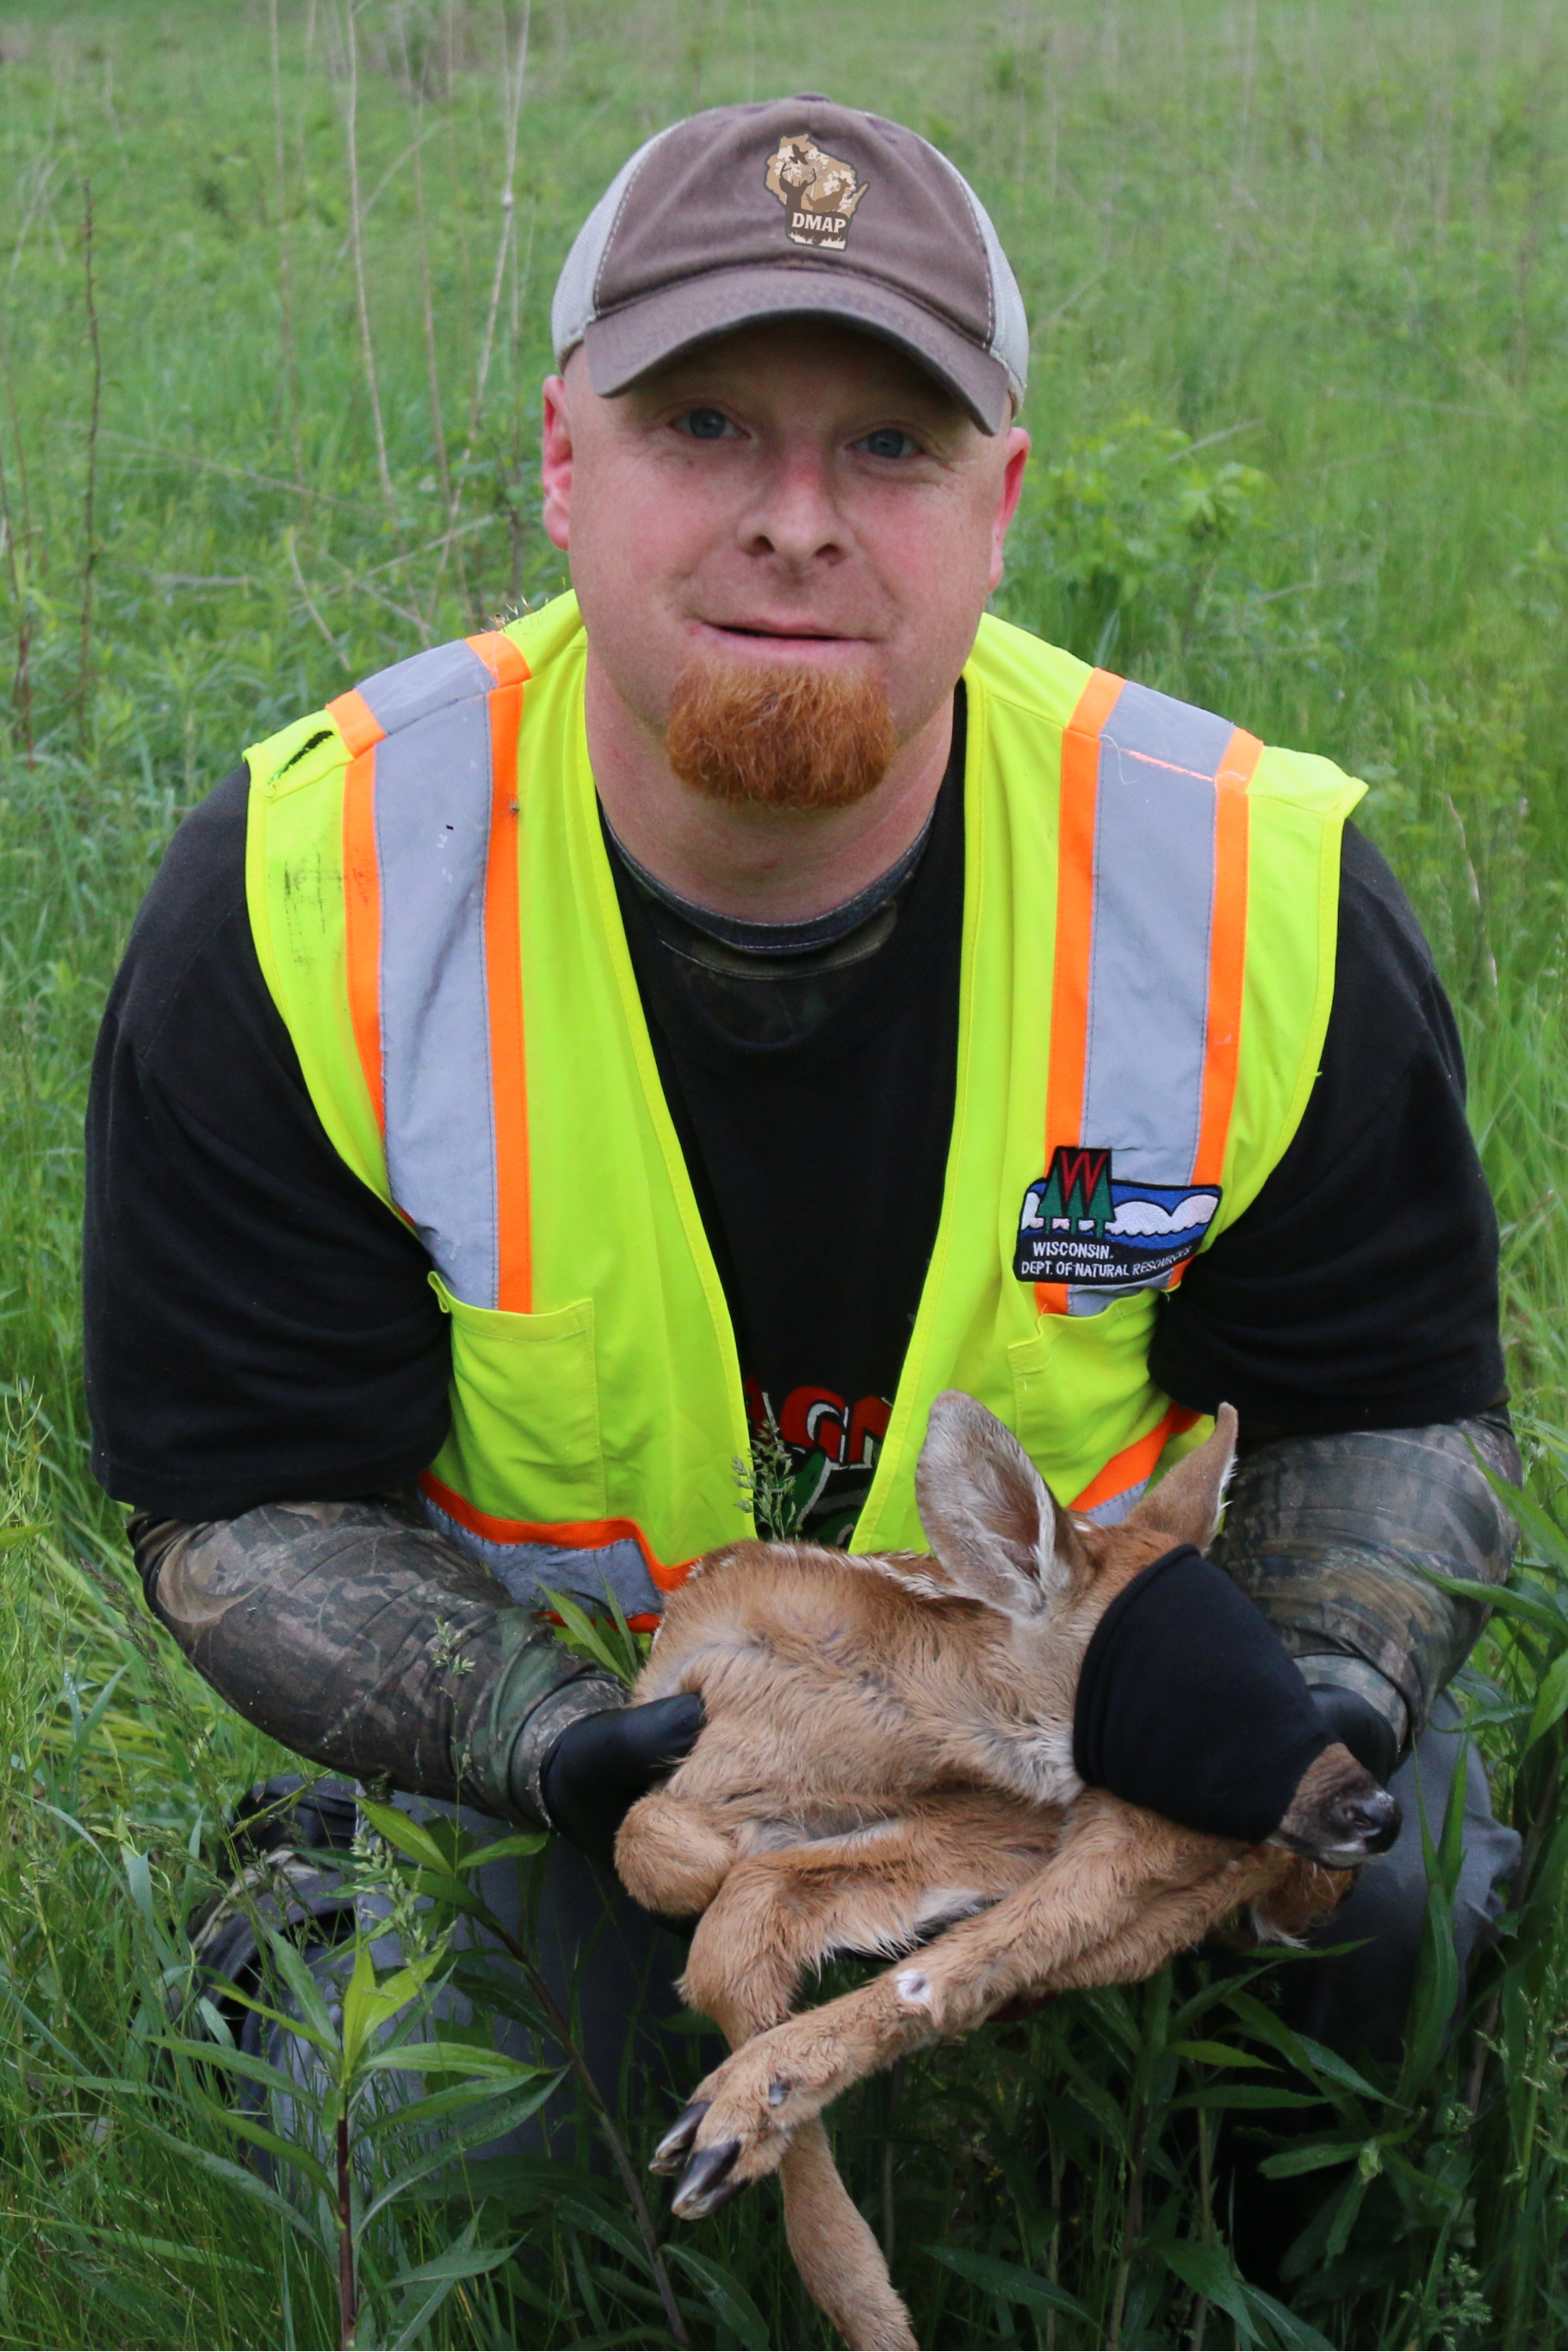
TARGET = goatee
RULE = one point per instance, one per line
(786, 738)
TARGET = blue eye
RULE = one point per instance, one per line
(887, 441)
(706, 424)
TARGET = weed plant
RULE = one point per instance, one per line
(274, 315)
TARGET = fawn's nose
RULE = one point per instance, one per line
(1369, 1819)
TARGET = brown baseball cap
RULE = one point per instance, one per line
(794, 208)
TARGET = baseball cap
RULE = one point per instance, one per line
(794, 207)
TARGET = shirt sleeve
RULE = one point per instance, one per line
(1360, 1289)
(258, 1324)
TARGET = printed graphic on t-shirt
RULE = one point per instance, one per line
(831, 1447)
(1082, 1223)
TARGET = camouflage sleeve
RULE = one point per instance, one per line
(1330, 1537)
(359, 1637)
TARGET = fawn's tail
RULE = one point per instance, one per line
(836, 2254)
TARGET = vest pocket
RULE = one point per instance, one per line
(1080, 1385)
(525, 1439)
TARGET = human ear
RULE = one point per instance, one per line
(1018, 449)
(555, 460)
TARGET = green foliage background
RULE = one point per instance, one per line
(1298, 272)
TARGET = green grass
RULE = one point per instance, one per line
(1298, 279)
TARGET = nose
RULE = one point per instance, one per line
(793, 515)
(1370, 1819)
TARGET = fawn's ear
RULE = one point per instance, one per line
(1185, 1504)
(990, 1517)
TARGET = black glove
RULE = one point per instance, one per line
(1355, 1722)
(1188, 1705)
(602, 1764)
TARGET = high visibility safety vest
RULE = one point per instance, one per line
(1150, 901)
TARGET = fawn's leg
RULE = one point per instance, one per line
(779, 1913)
(671, 1854)
(1125, 1892)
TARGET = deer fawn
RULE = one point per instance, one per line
(888, 1753)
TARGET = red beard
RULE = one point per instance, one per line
(779, 738)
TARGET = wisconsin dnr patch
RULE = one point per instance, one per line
(1079, 1223)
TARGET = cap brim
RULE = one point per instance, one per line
(626, 343)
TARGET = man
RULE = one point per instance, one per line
(746, 998)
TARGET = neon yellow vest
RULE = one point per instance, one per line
(1150, 907)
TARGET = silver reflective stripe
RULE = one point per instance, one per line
(432, 791)
(1117, 1507)
(530, 1569)
(1149, 941)
(413, 689)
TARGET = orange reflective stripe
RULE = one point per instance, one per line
(504, 988)
(1227, 961)
(643, 1624)
(1074, 920)
(355, 722)
(362, 922)
(1227, 954)
(500, 657)
(1135, 1463)
(574, 1534)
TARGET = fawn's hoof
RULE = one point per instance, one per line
(676, 2145)
(705, 2184)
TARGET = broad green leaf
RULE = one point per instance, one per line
(370, 2003)
(439, 2106)
(237, 2176)
(1551, 1700)
(589, 2215)
(1312, 2057)
(457, 2263)
(1427, 2185)
(742, 2322)
(1216, 2053)
(359, 2006)
(1345, 2219)
(579, 1633)
(1436, 1997)
(1209, 2272)
(1331, 2068)
(1506, 1600)
(1009, 2281)
(324, 2042)
(1317, 2158)
(308, 1995)
(525, 1843)
(1219, 2098)
(449, 2058)
(1296, 2334)
(286, 2151)
(166, 2250)
(501, 2114)
(236, 2062)
(442, 2276)
(409, 1837)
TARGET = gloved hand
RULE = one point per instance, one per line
(602, 1764)
(1355, 1722)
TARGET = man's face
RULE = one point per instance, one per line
(794, 493)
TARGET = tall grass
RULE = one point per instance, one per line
(1299, 280)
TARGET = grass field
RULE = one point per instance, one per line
(273, 319)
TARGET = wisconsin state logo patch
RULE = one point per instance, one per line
(818, 192)
(1079, 1223)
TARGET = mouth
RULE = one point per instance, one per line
(780, 637)
(1347, 1850)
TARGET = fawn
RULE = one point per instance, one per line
(888, 1753)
